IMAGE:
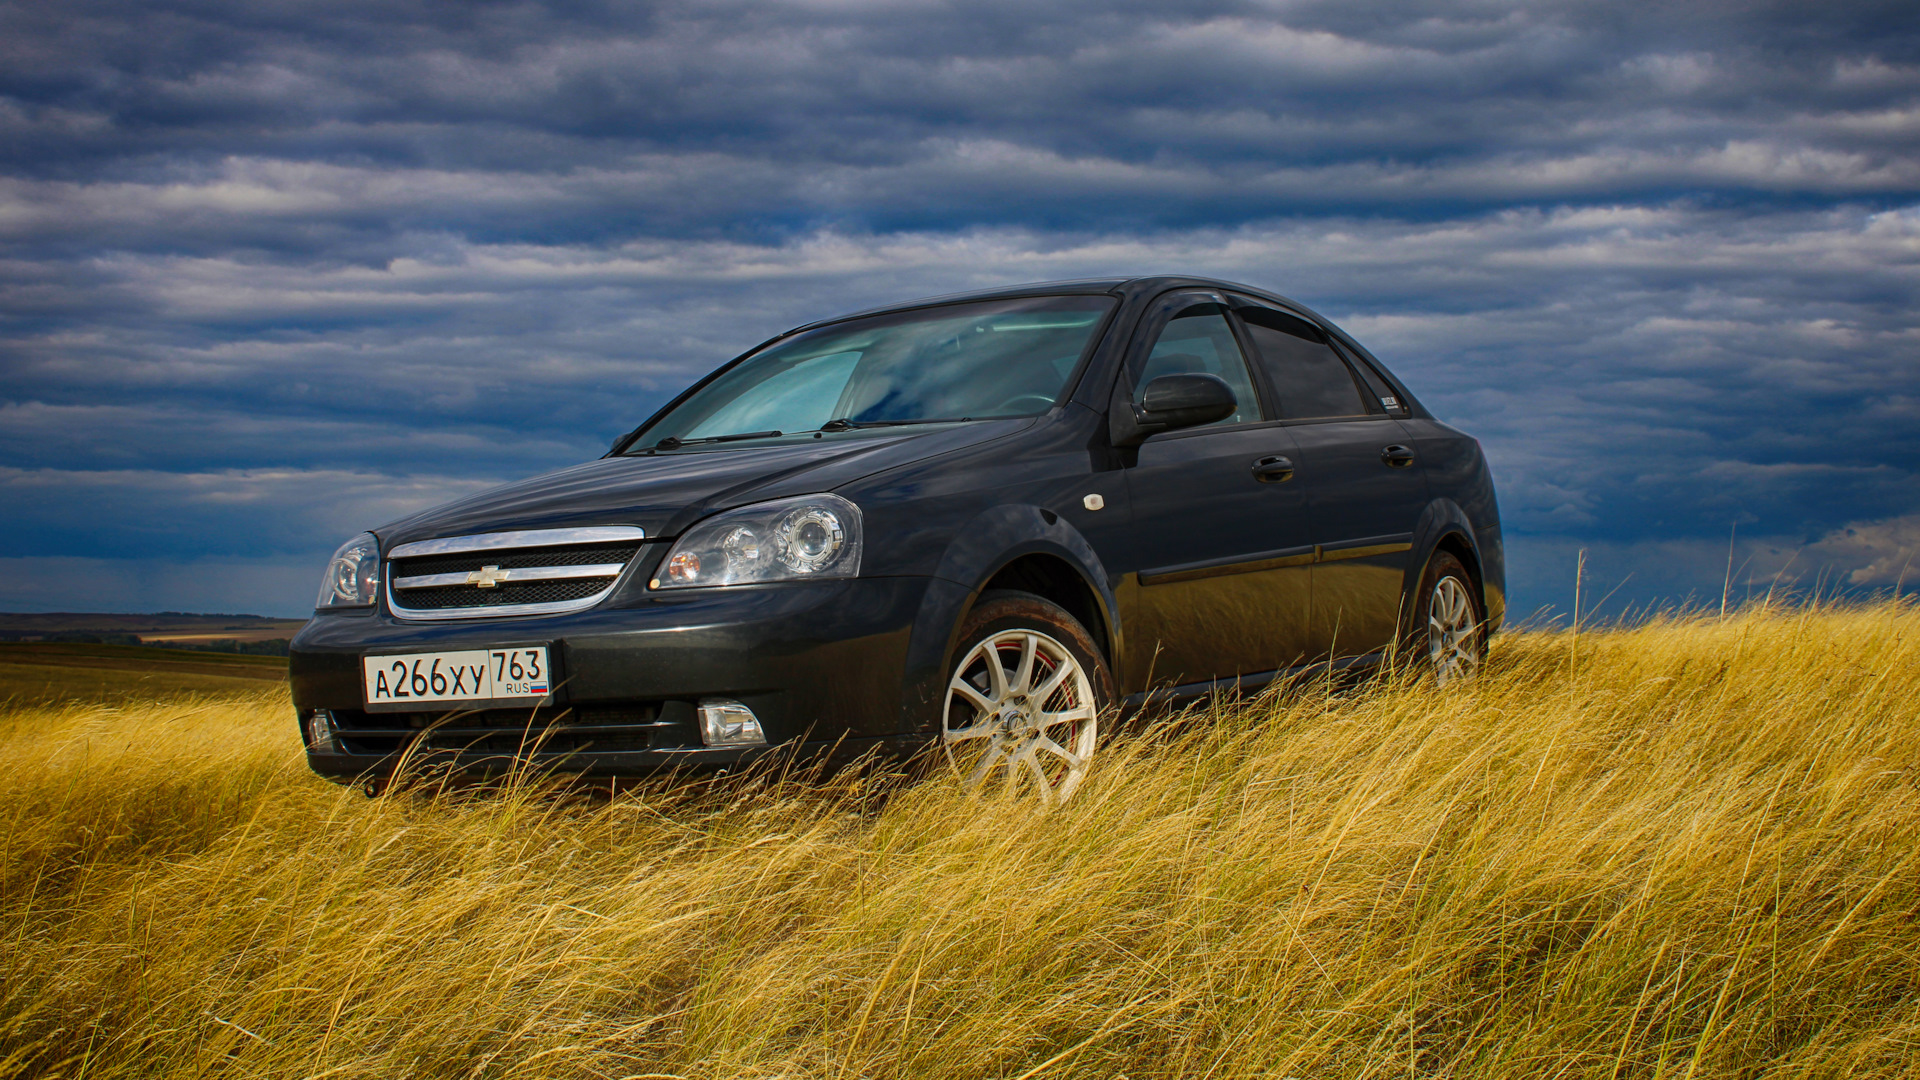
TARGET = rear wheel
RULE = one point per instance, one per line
(1024, 699)
(1449, 636)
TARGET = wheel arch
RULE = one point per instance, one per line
(1016, 546)
(1444, 526)
(1050, 576)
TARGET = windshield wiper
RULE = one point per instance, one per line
(674, 442)
(846, 424)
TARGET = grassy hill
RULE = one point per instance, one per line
(1690, 849)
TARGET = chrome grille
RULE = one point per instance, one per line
(508, 595)
(534, 572)
(566, 557)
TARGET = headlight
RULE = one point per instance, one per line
(812, 536)
(353, 577)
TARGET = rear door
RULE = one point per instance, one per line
(1220, 538)
(1361, 478)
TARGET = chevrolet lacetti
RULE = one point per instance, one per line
(981, 525)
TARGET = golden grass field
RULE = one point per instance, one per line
(39, 673)
(1687, 849)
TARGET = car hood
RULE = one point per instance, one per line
(664, 493)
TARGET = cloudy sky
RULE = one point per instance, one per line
(274, 272)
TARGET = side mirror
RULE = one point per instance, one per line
(620, 441)
(1171, 402)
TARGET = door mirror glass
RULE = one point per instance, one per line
(1181, 401)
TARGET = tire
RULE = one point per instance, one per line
(1448, 635)
(1024, 698)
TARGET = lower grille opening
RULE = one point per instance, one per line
(651, 725)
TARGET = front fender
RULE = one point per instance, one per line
(979, 549)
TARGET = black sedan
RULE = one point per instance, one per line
(984, 522)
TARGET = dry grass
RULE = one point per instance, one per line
(1688, 851)
(55, 673)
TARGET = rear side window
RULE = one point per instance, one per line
(1389, 397)
(1310, 378)
(1200, 341)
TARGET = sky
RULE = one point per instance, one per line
(272, 273)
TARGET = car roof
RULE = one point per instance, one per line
(1122, 287)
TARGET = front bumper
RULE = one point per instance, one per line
(826, 755)
(821, 664)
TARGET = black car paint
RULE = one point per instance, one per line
(1189, 535)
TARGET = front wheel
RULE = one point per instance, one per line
(1448, 633)
(1024, 699)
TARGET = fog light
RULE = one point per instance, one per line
(320, 732)
(729, 723)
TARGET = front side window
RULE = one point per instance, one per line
(1310, 378)
(993, 359)
(1200, 341)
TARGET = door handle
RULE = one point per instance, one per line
(1273, 470)
(1396, 456)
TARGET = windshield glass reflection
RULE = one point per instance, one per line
(996, 359)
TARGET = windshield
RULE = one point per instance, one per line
(998, 358)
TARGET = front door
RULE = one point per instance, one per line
(1357, 467)
(1221, 542)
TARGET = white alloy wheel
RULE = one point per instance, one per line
(1021, 710)
(1453, 631)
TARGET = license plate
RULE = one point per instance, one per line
(469, 675)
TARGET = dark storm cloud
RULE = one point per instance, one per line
(272, 272)
(596, 121)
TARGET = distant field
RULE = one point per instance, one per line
(42, 673)
(1682, 851)
(162, 627)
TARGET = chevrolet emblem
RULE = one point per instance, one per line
(488, 576)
